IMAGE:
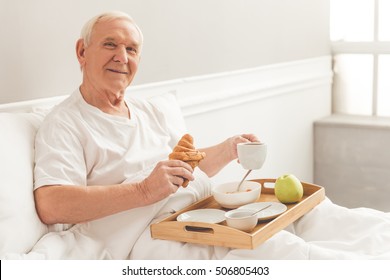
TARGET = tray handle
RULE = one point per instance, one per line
(265, 180)
(267, 184)
(198, 229)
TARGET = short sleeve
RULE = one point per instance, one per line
(59, 158)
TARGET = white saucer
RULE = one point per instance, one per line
(275, 210)
(212, 216)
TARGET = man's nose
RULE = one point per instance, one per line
(121, 55)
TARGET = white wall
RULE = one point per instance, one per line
(182, 38)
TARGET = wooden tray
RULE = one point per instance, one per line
(222, 235)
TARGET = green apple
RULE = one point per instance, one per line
(288, 189)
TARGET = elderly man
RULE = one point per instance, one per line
(91, 144)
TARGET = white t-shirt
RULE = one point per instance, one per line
(79, 144)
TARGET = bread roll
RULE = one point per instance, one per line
(185, 151)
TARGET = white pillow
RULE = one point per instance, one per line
(20, 226)
(169, 111)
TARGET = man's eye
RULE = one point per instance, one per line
(131, 50)
(109, 45)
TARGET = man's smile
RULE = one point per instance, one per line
(118, 71)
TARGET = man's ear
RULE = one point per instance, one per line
(80, 52)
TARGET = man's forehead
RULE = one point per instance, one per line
(111, 29)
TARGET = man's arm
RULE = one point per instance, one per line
(77, 204)
(218, 156)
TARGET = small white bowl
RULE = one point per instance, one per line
(241, 219)
(227, 196)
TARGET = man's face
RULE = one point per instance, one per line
(111, 59)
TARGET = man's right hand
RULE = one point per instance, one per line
(164, 180)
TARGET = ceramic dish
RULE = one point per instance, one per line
(242, 219)
(228, 196)
(275, 210)
(212, 216)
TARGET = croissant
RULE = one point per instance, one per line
(185, 151)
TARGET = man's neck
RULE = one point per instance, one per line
(107, 102)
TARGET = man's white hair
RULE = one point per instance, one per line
(87, 29)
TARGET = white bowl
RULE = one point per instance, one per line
(242, 219)
(227, 196)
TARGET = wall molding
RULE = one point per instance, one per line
(206, 93)
(202, 94)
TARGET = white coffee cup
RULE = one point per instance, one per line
(252, 154)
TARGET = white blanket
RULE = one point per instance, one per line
(327, 232)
